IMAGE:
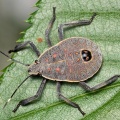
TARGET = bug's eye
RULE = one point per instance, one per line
(36, 61)
(29, 70)
(86, 55)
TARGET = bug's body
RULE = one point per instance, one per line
(73, 60)
(64, 61)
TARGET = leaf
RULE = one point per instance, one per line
(104, 31)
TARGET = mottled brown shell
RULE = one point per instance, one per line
(64, 62)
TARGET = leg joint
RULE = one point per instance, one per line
(36, 96)
(59, 94)
(60, 27)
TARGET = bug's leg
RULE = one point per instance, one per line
(103, 84)
(33, 98)
(48, 30)
(22, 45)
(73, 24)
(67, 100)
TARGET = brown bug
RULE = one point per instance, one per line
(73, 59)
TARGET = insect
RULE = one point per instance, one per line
(73, 59)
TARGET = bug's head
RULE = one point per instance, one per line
(34, 69)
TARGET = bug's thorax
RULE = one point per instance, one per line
(36, 68)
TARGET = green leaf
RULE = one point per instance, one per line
(104, 31)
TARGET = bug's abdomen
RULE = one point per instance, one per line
(72, 60)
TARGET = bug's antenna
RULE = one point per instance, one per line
(15, 91)
(13, 59)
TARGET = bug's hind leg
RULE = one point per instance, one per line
(48, 30)
(67, 100)
(22, 45)
(74, 24)
(33, 98)
(103, 84)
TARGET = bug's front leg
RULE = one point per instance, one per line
(48, 30)
(33, 98)
(67, 100)
(22, 45)
(103, 84)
